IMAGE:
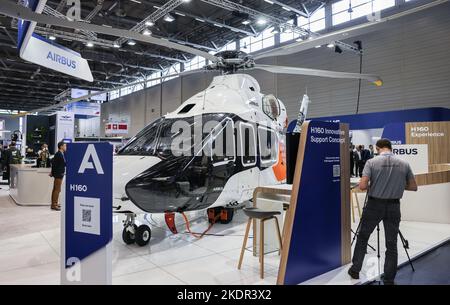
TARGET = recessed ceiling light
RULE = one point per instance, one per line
(330, 45)
(147, 32)
(262, 21)
(149, 23)
(198, 19)
(268, 1)
(116, 46)
(51, 37)
(187, 1)
(169, 18)
(131, 42)
(245, 22)
(318, 47)
(89, 44)
(136, 1)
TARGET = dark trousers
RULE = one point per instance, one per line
(374, 212)
(359, 168)
(352, 167)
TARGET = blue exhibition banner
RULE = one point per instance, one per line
(380, 119)
(315, 244)
(88, 209)
(395, 132)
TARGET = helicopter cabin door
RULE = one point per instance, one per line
(247, 152)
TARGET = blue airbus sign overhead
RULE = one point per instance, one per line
(38, 50)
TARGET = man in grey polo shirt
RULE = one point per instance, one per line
(385, 177)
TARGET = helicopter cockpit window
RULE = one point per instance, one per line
(271, 106)
(144, 142)
(222, 145)
(267, 146)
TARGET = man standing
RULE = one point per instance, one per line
(12, 156)
(57, 172)
(352, 160)
(371, 152)
(359, 161)
(386, 178)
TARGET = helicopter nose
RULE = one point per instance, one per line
(163, 194)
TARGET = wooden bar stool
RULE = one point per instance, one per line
(354, 192)
(263, 216)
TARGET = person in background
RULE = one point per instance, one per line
(371, 151)
(12, 156)
(359, 160)
(57, 172)
(44, 156)
(352, 160)
(385, 178)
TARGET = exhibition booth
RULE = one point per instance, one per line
(307, 240)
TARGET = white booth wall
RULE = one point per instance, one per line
(87, 127)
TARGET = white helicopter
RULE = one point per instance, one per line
(149, 177)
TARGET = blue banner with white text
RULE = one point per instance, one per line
(315, 245)
(88, 209)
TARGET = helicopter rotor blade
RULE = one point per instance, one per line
(21, 12)
(321, 73)
(87, 96)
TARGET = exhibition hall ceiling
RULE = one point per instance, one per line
(204, 24)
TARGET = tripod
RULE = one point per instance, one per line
(355, 234)
(404, 241)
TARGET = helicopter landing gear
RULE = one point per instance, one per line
(133, 234)
(220, 214)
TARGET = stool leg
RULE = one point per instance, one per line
(261, 248)
(277, 224)
(244, 243)
(357, 204)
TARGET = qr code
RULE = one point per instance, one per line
(336, 171)
(87, 215)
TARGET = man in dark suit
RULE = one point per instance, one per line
(57, 172)
(352, 160)
(359, 160)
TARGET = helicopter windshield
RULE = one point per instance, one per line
(157, 139)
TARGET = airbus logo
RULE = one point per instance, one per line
(87, 164)
(62, 60)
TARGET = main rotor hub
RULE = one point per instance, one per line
(232, 61)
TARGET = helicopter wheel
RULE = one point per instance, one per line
(143, 235)
(128, 236)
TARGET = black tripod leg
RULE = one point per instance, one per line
(405, 244)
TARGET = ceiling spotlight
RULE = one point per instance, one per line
(147, 32)
(350, 9)
(51, 37)
(245, 22)
(131, 42)
(116, 45)
(149, 23)
(261, 21)
(318, 47)
(330, 45)
(169, 18)
(89, 44)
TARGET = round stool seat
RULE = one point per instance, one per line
(260, 214)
